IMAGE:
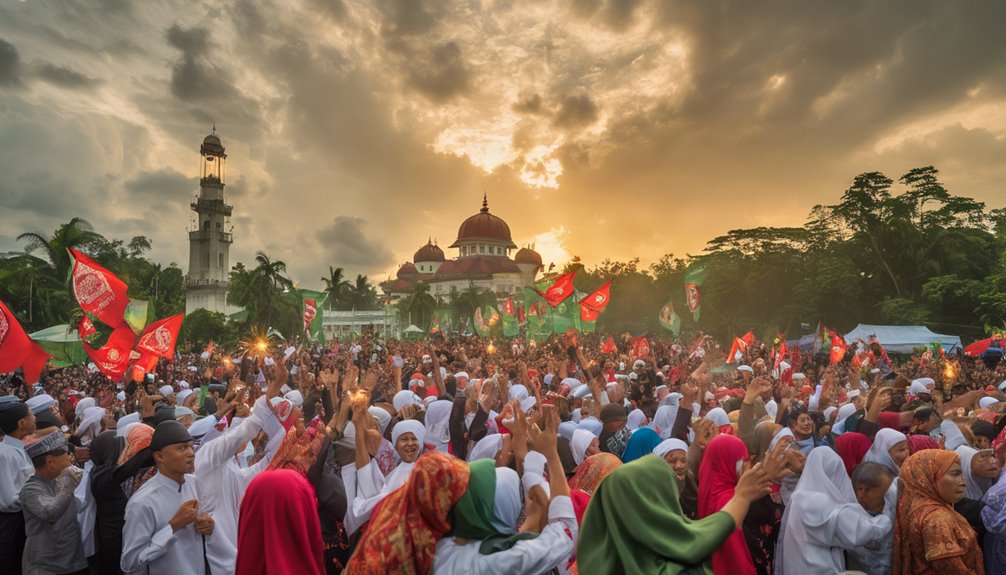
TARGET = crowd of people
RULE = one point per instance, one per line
(468, 455)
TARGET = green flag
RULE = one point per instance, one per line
(669, 319)
(311, 303)
(136, 314)
(694, 277)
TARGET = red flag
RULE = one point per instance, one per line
(608, 346)
(561, 289)
(592, 305)
(98, 290)
(838, 347)
(17, 349)
(209, 348)
(740, 344)
(86, 329)
(112, 359)
(782, 352)
(640, 346)
(521, 315)
(508, 307)
(159, 338)
(310, 311)
(143, 366)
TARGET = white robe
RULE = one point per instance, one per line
(221, 482)
(148, 543)
(553, 547)
(15, 469)
(371, 488)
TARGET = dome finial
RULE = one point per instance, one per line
(485, 203)
(214, 128)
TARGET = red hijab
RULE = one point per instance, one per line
(717, 481)
(278, 529)
(852, 448)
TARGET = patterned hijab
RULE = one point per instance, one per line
(595, 468)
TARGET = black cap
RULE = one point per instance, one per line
(168, 433)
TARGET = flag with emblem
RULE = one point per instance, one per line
(560, 289)
(86, 329)
(694, 277)
(98, 291)
(136, 314)
(838, 347)
(510, 326)
(592, 305)
(160, 337)
(18, 350)
(434, 325)
(314, 322)
(481, 327)
(113, 358)
(669, 319)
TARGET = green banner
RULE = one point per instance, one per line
(136, 314)
(311, 308)
(669, 319)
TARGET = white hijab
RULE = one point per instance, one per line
(663, 420)
(718, 416)
(486, 448)
(975, 487)
(437, 421)
(579, 444)
(636, 419)
(880, 450)
(668, 445)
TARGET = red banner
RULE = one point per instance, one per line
(112, 359)
(98, 290)
(159, 338)
(561, 289)
(592, 305)
(18, 350)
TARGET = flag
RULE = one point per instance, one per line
(640, 347)
(160, 337)
(18, 350)
(98, 290)
(740, 345)
(560, 289)
(821, 339)
(669, 319)
(86, 329)
(592, 305)
(112, 359)
(491, 316)
(314, 322)
(521, 315)
(510, 327)
(694, 277)
(136, 314)
(508, 309)
(481, 327)
(434, 325)
(781, 352)
(143, 366)
(608, 346)
(838, 347)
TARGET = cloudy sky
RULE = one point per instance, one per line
(599, 128)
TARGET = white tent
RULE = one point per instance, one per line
(413, 329)
(902, 338)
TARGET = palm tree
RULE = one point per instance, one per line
(272, 271)
(418, 307)
(335, 284)
(77, 233)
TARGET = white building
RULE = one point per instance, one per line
(342, 324)
(484, 245)
(210, 236)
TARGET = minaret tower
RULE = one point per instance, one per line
(210, 236)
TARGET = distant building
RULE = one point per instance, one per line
(342, 324)
(484, 245)
(210, 236)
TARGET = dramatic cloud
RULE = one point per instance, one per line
(598, 128)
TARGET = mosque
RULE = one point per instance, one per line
(484, 246)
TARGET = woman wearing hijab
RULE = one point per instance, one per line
(823, 518)
(583, 445)
(890, 449)
(994, 517)
(634, 522)
(852, 448)
(980, 473)
(110, 501)
(721, 420)
(371, 484)
(642, 442)
(663, 420)
(437, 422)
(136, 459)
(595, 468)
(278, 532)
(405, 527)
(497, 446)
(675, 453)
(930, 538)
(725, 458)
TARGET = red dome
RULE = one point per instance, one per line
(429, 253)
(527, 256)
(484, 225)
(408, 268)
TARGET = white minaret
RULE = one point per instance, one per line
(210, 237)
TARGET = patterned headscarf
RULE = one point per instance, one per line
(595, 468)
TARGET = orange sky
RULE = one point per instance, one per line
(603, 129)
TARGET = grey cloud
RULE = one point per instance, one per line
(10, 64)
(193, 78)
(346, 243)
(575, 111)
(409, 17)
(614, 14)
(163, 183)
(64, 77)
(442, 75)
(528, 104)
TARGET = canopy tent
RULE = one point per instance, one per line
(63, 343)
(902, 338)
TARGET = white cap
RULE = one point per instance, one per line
(633, 376)
(295, 397)
(638, 363)
(799, 377)
(183, 384)
(580, 392)
(40, 403)
(121, 396)
(184, 394)
(985, 402)
(166, 390)
(746, 368)
(853, 393)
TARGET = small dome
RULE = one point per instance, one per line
(484, 225)
(212, 146)
(212, 140)
(429, 253)
(408, 268)
(527, 256)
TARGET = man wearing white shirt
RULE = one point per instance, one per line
(222, 480)
(17, 422)
(165, 533)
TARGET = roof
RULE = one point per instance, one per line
(478, 266)
(902, 338)
(429, 253)
(484, 226)
(527, 256)
(407, 269)
(400, 286)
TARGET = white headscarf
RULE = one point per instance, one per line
(880, 450)
(975, 487)
(844, 411)
(90, 424)
(381, 415)
(506, 502)
(823, 504)
(672, 399)
(668, 445)
(437, 420)
(403, 398)
(592, 425)
(566, 429)
(124, 421)
(486, 448)
(663, 420)
(718, 416)
(408, 426)
(636, 419)
(82, 406)
(579, 444)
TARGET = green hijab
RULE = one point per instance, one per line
(634, 524)
(473, 514)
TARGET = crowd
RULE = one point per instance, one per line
(467, 455)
